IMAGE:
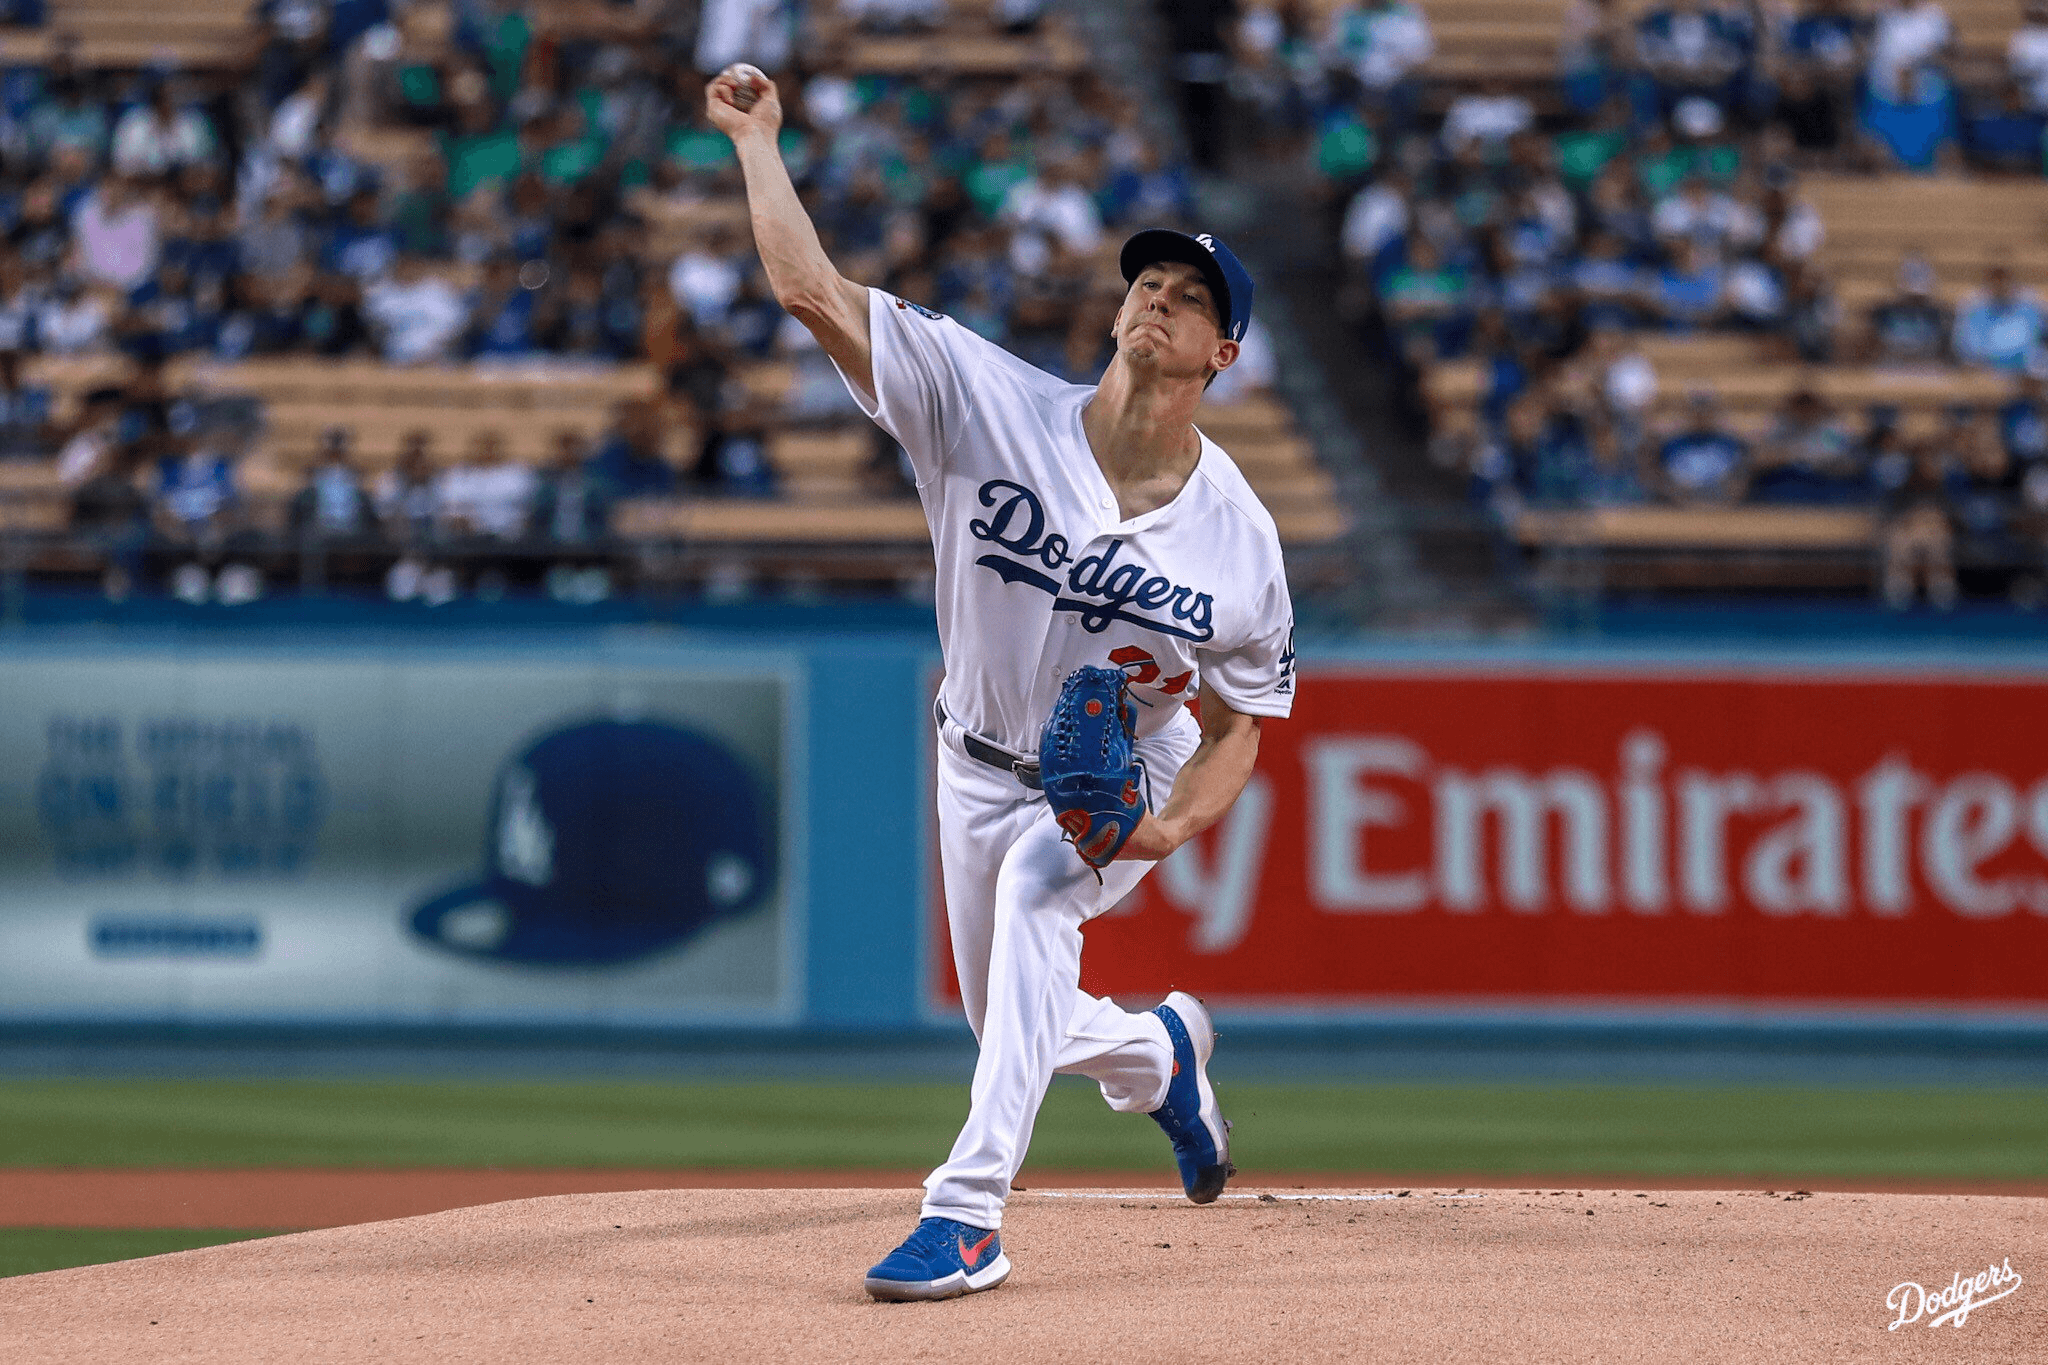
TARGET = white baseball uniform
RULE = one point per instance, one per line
(1037, 575)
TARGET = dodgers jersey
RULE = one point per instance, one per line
(1038, 573)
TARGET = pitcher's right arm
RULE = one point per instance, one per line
(806, 283)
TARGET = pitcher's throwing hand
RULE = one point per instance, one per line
(740, 98)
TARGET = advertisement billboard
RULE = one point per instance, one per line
(402, 839)
(1460, 836)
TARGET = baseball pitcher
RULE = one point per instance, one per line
(1100, 564)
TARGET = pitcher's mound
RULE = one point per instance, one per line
(736, 1275)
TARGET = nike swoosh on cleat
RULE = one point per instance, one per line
(970, 1254)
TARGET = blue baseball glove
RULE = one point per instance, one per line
(1093, 780)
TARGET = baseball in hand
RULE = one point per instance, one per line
(748, 81)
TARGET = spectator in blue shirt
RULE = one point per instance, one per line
(1703, 461)
(2002, 134)
(1609, 285)
(1500, 462)
(733, 459)
(1909, 327)
(195, 490)
(1982, 483)
(501, 314)
(1558, 450)
(570, 507)
(361, 245)
(2023, 421)
(1826, 38)
(1821, 51)
(25, 432)
(164, 318)
(1914, 122)
(2000, 326)
(575, 318)
(333, 504)
(629, 463)
(1556, 467)
(204, 247)
(1809, 456)
(1690, 47)
(1148, 191)
(262, 318)
(1686, 293)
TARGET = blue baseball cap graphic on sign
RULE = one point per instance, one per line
(1228, 280)
(609, 841)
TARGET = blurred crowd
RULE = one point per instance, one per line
(1653, 185)
(453, 181)
(1870, 83)
(428, 525)
(495, 182)
(1969, 488)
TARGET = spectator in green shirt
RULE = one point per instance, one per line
(480, 150)
(1582, 153)
(999, 168)
(1428, 302)
(1691, 146)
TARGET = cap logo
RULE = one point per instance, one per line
(526, 843)
(608, 841)
(1208, 242)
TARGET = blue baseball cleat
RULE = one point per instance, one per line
(941, 1260)
(1190, 1116)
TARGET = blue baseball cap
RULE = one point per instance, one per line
(1228, 280)
(609, 841)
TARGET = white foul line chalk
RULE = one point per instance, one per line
(1282, 1198)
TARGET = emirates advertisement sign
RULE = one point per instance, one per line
(1480, 837)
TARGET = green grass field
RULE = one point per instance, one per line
(26, 1251)
(1981, 1133)
(1397, 1128)
(1923, 1133)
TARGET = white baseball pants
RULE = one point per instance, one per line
(1016, 898)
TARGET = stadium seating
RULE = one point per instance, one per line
(204, 35)
(125, 35)
(1478, 39)
(1959, 225)
(528, 406)
(1518, 39)
(827, 497)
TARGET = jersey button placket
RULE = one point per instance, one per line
(1069, 645)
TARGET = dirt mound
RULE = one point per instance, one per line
(317, 1197)
(738, 1276)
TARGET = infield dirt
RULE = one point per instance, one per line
(300, 1198)
(771, 1275)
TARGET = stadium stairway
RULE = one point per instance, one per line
(1411, 555)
